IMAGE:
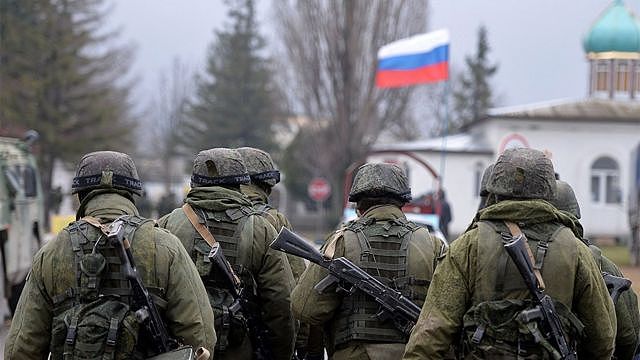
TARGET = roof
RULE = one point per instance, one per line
(459, 143)
(616, 30)
(582, 110)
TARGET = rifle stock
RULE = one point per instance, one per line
(145, 309)
(516, 247)
(616, 285)
(290, 243)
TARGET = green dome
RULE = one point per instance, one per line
(616, 30)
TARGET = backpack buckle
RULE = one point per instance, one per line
(478, 334)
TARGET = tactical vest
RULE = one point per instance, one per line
(492, 326)
(233, 229)
(93, 319)
(381, 249)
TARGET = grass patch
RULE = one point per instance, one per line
(618, 254)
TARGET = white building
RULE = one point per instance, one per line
(590, 140)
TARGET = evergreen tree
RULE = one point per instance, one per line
(235, 103)
(58, 77)
(472, 94)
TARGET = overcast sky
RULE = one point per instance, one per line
(537, 43)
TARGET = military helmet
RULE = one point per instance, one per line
(485, 180)
(105, 170)
(219, 166)
(260, 166)
(380, 179)
(523, 174)
(566, 199)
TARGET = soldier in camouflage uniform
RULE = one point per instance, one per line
(105, 183)
(477, 292)
(385, 244)
(627, 315)
(264, 177)
(244, 237)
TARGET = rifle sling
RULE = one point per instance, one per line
(515, 231)
(205, 233)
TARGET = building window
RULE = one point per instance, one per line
(605, 181)
(623, 76)
(602, 75)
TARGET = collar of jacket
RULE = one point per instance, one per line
(255, 193)
(108, 206)
(569, 220)
(216, 198)
(525, 211)
(384, 212)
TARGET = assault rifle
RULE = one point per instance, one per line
(616, 285)
(257, 332)
(146, 313)
(545, 310)
(349, 277)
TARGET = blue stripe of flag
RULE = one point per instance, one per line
(414, 61)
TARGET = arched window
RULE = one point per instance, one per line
(623, 75)
(605, 181)
(602, 75)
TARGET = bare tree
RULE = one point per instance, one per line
(331, 58)
(168, 113)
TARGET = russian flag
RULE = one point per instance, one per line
(418, 59)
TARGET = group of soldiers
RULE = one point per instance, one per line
(220, 288)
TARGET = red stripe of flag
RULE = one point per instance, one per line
(398, 78)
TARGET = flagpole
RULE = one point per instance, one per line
(443, 150)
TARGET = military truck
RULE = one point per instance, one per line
(21, 216)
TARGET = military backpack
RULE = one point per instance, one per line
(233, 230)
(93, 319)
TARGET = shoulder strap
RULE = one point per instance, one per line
(200, 228)
(515, 231)
(205, 233)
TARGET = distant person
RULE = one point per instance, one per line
(55, 198)
(144, 205)
(444, 211)
(166, 203)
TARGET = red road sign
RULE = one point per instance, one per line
(319, 189)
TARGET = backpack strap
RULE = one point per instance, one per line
(204, 232)
(515, 231)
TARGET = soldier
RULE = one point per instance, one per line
(477, 290)
(385, 244)
(627, 315)
(76, 299)
(264, 177)
(215, 201)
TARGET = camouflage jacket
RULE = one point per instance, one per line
(260, 201)
(161, 260)
(270, 268)
(317, 309)
(627, 313)
(460, 276)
